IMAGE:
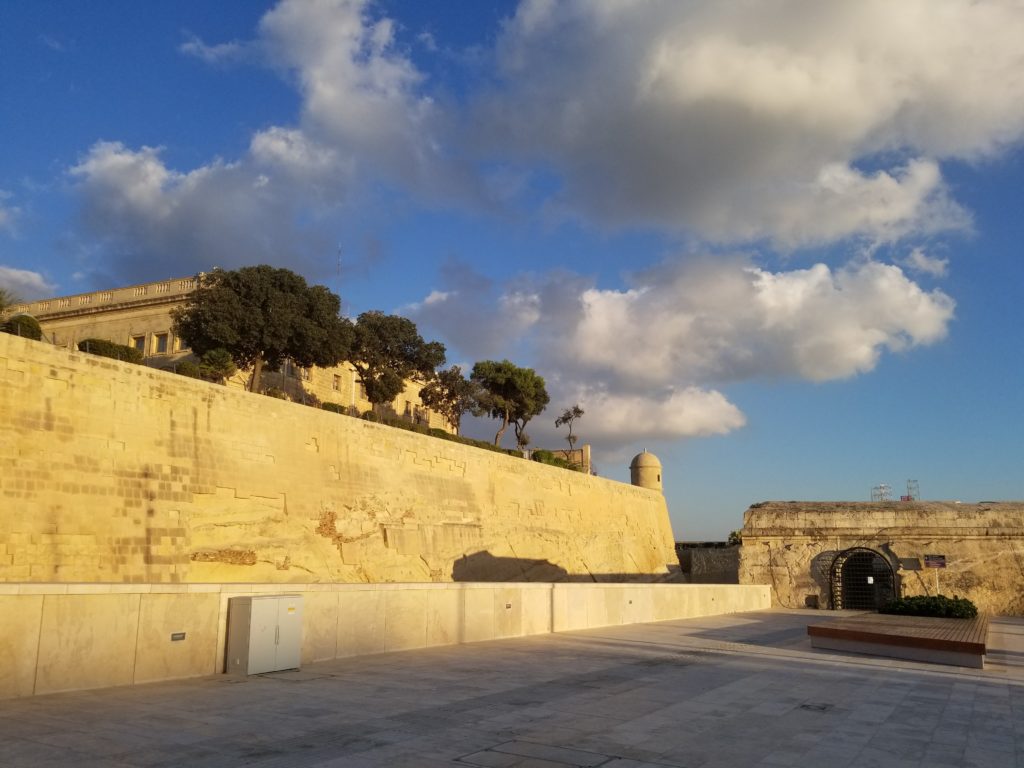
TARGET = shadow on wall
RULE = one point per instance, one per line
(822, 578)
(483, 566)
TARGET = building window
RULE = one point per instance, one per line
(139, 342)
(306, 374)
(160, 345)
(179, 345)
(336, 383)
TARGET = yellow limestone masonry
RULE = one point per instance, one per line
(112, 472)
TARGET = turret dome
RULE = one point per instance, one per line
(645, 471)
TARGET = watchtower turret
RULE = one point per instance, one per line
(645, 471)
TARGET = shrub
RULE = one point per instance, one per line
(932, 605)
(186, 368)
(423, 429)
(547, 457)
(280, 394)
(106, 348)
(217, 365)
(309, 399)
(25, 326)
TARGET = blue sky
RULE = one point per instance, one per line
(779, 247)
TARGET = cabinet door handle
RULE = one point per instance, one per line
(277, 635)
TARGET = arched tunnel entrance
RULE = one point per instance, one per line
(861, 579)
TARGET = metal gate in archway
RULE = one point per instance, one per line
(862, 580)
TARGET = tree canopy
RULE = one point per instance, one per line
(451, 394)
(387, 350)
(510, 393)
(262, 315)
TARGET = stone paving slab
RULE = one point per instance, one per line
(718, 692)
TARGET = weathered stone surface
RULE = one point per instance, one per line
(791, 546)
(113, 472)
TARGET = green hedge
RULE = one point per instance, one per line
(929, 605)
(185, 368)
(107, 348)
(423, 429)
(25, 326)
(543, 456)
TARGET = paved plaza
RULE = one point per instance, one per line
(726, 691)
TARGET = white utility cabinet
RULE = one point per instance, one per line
(264, 634)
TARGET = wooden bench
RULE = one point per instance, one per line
(958, 642)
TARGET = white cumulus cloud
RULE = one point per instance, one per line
(727, 122)
(619, 418)
(740, 121)
(649, 359)
(219, 53)
(729, 321)
(223, 214)
(9, 214)
(25, 284)
(919, 261)
(362, 118)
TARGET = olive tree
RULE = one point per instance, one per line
(566, 419)
(510, 393)
(262, 315)
(451, 394)
(387, 350)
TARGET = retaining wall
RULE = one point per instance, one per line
(60, 637)
(112, 472)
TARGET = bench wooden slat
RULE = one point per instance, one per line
(959, 635)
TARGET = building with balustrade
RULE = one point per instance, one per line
(140, 316)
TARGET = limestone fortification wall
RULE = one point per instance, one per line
(112, 472)
(791, 546)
